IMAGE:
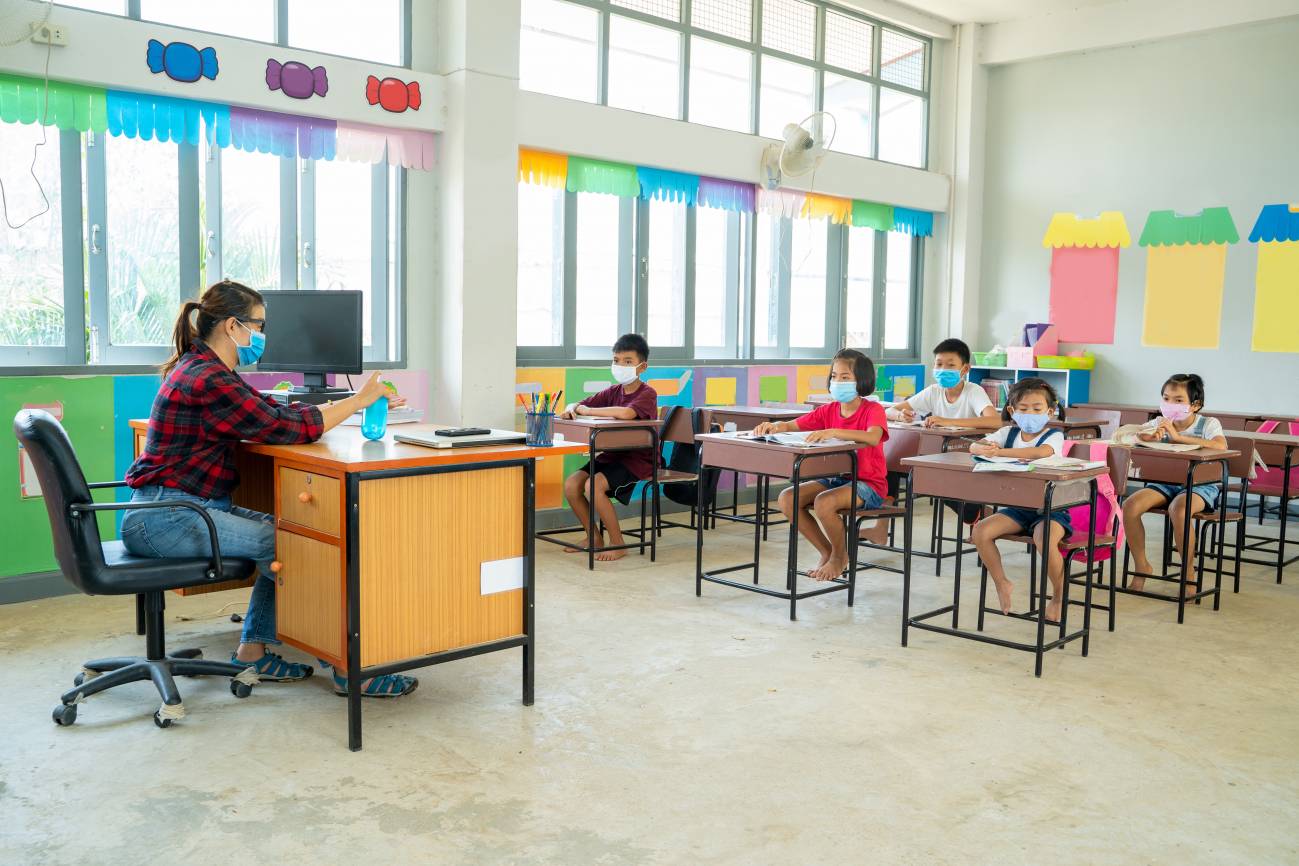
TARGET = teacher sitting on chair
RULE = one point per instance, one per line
(202, 411)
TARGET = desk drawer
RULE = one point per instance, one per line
(309, 593)
(310, 500)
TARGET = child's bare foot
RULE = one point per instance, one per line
(877, 534)
(1142, 565)
(832, 569)
(610, 555)
(1005, 593)
(1188, 591)
(599, 543)
(1053, 612)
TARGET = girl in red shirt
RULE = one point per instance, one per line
(851, 417)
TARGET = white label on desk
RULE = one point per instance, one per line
(501, 575)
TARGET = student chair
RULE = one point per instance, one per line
(1110, 420)
(1074, 549)
(105, 568)
(1271, 482)
(679, 428)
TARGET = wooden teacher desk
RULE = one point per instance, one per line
(392, 556)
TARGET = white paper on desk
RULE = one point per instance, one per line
(395, 416)
(1000, 464)
(501, 575)
(1167, 446)
(798, 440)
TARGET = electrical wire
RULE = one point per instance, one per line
(45, 110)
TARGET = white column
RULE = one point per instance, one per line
(462, 233)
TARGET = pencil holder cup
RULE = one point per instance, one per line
(541, 429)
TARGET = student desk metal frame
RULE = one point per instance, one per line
(316, 491)
(1162, 466)
(745, 418)
(617, 435)
(952, 476)
(1260, 543)
(726, 451)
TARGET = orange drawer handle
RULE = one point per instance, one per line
(304, 497)
(276, 565)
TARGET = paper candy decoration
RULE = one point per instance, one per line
(392, 94)
(181, 61)
(295, 79)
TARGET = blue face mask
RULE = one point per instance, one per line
(251, 353)
(843, 392)
(947, 378)
(1030, 423)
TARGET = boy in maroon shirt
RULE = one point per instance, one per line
(849, 416)
(616, 472)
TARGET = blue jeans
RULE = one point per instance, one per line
(867, 495)
(242, 534)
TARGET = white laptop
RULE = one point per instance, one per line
(430, 439)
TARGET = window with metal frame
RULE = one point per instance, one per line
(745, 65)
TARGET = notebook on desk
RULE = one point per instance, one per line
(431, 439)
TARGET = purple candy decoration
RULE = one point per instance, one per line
(296, 79)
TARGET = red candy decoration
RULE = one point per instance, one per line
(392, 94)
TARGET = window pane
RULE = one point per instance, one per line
(902, 128)
(541, 266)
(669, 9)
(712, 256)
(116, 7)
(721, 81)
(250, 219)
(141, 241)
(342, 27)
(250, 19)
(789, 26)
(31, 257)
(666, 301)
(644, 67)
(597, 269)
(897, 292)
(766, 283)
(861, 282)
(733, 18)
(343, 235)
(849, 100)
(902, 60)
(807, 283)
(848, 42)
(788, 95)
(557, 49)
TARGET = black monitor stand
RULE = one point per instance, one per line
(314, 390)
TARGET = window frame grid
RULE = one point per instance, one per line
(757, 50)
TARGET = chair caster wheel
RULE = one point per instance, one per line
(161, 722)
(65, 714)
(240, 690)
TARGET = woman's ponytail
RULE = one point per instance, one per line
(221, 301)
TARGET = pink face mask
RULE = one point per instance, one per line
(1175, 411)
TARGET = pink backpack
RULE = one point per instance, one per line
(1109, 514)
(1274, 476)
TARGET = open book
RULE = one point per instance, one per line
(797, 439)
(1016, 464)
(1166, 446)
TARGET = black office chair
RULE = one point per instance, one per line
(105, 568)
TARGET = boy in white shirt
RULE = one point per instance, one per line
(952, 401)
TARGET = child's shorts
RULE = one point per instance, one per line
(621, 482)
(1207, 492)
(867, 495)
(1029, 519)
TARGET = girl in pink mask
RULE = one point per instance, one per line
(1179, 421)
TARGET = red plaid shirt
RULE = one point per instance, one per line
(201, 412)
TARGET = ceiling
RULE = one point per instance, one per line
(991, 11)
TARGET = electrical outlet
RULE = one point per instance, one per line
(49, 34)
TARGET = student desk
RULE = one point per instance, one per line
(1271, 446)
(728, 452)
(1184, 468)
(1078, 428)
(1133, 413)
(952, 476)
(381, 547)
(745, 418)
(594, 435)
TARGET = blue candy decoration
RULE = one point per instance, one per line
(181, 61)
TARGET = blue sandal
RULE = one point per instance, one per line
(271, 668)
(385, 686)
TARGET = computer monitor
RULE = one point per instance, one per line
(314, 333)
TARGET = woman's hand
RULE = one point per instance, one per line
(373, 389)
(985, 449)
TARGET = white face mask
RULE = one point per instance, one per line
(623, 375)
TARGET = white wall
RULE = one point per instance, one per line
(1183, 124)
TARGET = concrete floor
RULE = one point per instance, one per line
(670, 729)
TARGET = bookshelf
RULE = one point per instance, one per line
(1073, 386)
